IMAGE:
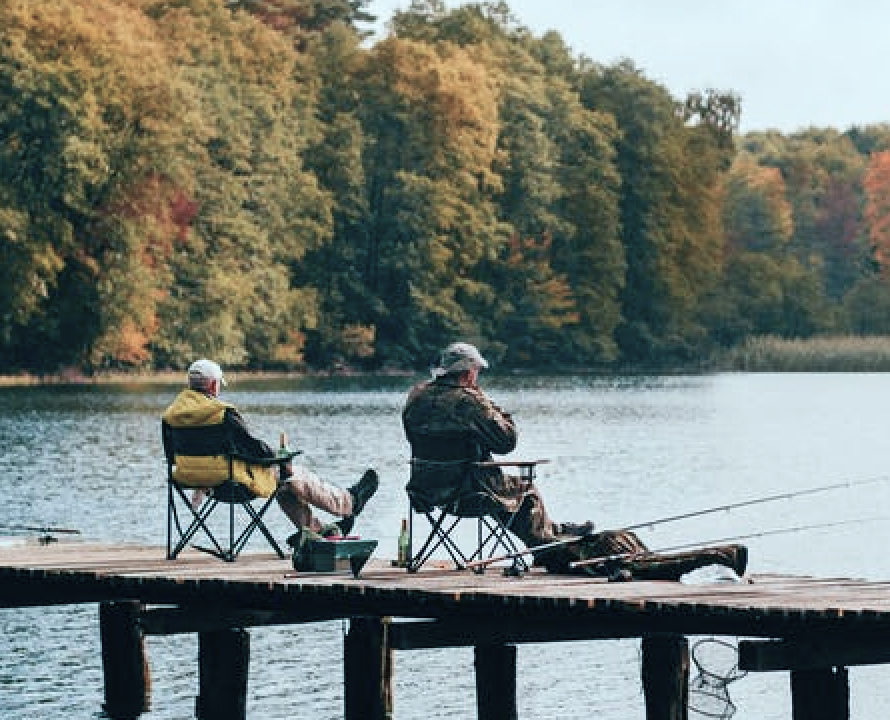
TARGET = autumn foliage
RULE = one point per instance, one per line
(257, 181)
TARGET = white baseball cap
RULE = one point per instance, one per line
(205, 369)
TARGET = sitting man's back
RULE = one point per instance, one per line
(199, 430)
(453, 426)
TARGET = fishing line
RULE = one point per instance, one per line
(776, 531)
(720, 541)
(757, 501)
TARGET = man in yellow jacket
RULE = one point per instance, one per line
(198, 429)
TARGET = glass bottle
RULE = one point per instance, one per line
(404, 545)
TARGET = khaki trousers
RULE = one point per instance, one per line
(304, 490)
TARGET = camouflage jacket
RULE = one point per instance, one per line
(450, 427)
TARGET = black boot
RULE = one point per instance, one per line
(735, 557)
(345, 525)
(570, 528)
(363, 491)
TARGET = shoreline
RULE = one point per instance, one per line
(763, 354)
(170, 377)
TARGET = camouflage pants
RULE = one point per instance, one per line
(522, 509)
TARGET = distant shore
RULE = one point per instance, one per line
(169, 377)
(845, 353)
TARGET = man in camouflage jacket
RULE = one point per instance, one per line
(452, 426)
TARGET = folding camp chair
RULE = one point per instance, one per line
(492, 534)
(228, 492)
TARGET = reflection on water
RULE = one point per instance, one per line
(622, 450)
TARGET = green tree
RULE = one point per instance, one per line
(669, 158)
(232, 296)
(867, 306)
(555, 189)
(88, 133)
(765, 290)
(341, 270)
(430, 113)
(822, 171)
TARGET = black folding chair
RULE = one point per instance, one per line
(243, 518)
(493, 535)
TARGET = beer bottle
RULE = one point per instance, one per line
(404, 545)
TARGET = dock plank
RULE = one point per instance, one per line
(761, 605)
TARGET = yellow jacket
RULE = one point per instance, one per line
(200, 433)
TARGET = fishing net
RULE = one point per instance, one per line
(717, 664)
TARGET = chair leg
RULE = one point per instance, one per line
(230, 557)
(438, 537)
(199, 522)
(256, 523)
(178, 537)
(502, 538)
(171, 513)
(422, 555)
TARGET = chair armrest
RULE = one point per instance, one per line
(526, 467)
(268, 461)
(510, 463)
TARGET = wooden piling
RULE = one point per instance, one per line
(124, 662)
(665, 674)
(496, 681)
(367, 669)
(821, 694)
(224, 659)
(812, 627)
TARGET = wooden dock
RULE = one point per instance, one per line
(812, 627)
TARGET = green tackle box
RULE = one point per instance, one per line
(334, 555)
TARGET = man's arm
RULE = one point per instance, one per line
(494, 427)
(245, 442)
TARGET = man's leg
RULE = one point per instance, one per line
(673, 566)
(602, 544)
(304, 490)
(525, 513)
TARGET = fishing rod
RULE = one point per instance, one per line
(43, 530)
(673, 548)
(527, 551)
(757, 501)
(684, 516)
(604, 559)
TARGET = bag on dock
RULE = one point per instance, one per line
(625, 557)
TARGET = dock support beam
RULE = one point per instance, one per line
(224, 659)
(822, 694)
(820, 684)
(496, 682)
(368, 669)
(124, 663)
(666, 677)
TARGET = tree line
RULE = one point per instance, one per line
(260, 182)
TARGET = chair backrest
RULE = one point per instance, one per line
(444, 447)
(204, 456)
(442, 471)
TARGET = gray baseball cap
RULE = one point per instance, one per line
(457, 358)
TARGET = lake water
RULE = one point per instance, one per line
(623, 450)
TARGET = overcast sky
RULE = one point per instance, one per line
(795, 63)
